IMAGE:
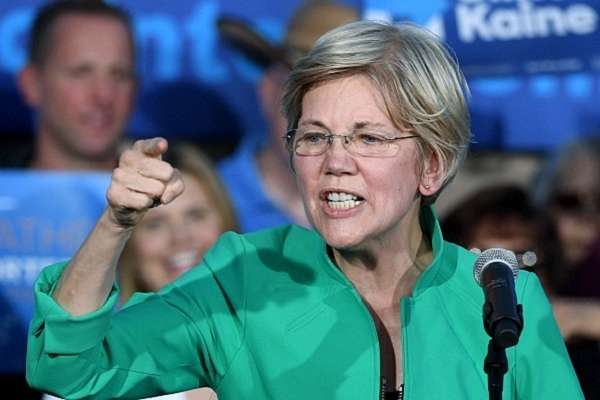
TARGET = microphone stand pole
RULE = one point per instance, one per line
(495, 366)
(496, 363)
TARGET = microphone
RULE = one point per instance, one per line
(495, 271)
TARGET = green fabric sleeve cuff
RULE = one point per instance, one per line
(58, 326)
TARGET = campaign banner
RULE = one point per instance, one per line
(533, 66)
(507, 37)
(44, 218)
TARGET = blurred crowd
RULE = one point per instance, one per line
(552, 223)
(80, 82)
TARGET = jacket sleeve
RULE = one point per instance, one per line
(54, 337)
(107, 354)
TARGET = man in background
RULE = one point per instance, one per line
(80, 80)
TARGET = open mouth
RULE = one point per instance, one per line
(182, 261)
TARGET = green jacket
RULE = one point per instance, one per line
(268, 316)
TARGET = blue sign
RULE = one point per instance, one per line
(533, 65)
(508, 37)
(44, 218)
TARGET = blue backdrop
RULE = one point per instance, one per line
(44, 218)
(533, 65)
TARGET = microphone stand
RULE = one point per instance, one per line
(496, 363)
(495, 366)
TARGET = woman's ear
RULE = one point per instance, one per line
(27, 80)
(431, 181)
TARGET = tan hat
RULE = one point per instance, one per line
(311, 20)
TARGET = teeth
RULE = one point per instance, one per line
(341, 196)
(342, 200)
(183, 260)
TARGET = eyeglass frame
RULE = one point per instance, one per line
(347, 139)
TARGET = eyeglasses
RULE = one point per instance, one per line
(578, 203)
(361, 142)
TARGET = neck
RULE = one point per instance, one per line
(40, 161)
(50, 155)
(382, 281)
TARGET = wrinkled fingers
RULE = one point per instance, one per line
(142, 180)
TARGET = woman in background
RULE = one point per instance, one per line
(170, 240)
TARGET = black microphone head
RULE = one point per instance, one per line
(495, 255)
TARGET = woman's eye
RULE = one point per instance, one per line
(369, 138)
(314, 137)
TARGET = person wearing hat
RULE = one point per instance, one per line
(258, 175)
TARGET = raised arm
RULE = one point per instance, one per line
(140, 179)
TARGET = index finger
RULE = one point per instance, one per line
(154, 147)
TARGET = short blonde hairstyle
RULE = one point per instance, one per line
(420, 82)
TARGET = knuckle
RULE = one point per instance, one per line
(127, 157)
